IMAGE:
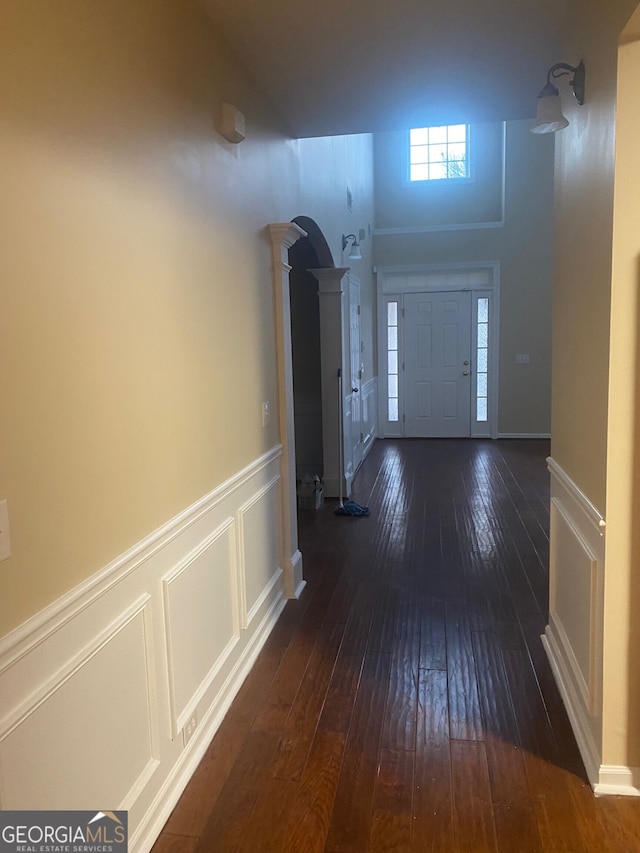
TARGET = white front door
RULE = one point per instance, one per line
(437, 355)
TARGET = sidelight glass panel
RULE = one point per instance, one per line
(482, 359)
(392, 361)
(482, 384)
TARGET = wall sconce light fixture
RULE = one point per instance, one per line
(354, 252)
(549, 117)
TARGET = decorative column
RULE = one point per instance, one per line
(283, 236)
(332, 360)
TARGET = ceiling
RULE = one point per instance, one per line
(358, 66)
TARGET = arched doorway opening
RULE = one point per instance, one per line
(283, 236)
(309, 253)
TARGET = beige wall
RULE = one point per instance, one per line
(522, 246)
(136, 330)
(622, 695)
(595, 349)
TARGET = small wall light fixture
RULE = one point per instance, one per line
(549, 118)
(354, 252)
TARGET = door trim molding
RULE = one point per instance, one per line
(331, 288)
(395, 280)
(283, 235)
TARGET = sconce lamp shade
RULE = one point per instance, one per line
(549, 117)
(355, 254)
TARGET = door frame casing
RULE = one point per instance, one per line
(397, 280)
(354, 450)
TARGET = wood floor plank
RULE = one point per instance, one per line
(405, 702)
(301, 724)
(226, 824)
(392, 803)
(620, 817)
(265, 827)
(275, 707)
(307, 822)
(194, 807)
(433, 800)
(516, 828)
(351, 819)
(464, 706)
(401, 713)
(433, 640)
(557, 819)
(473, 822)
(168, 843)
(257, 684)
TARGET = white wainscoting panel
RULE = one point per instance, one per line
(96, 690)
(56, 751)
(201, 609)
(574, 636)
(258, 519)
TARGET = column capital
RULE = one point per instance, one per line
(285, 234)
(330, 278)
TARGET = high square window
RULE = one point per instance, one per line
(439, 153)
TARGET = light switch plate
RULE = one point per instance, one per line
(5, 542)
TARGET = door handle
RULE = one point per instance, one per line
(465, 372)
(355, 390)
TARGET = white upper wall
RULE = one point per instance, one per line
(519, 239)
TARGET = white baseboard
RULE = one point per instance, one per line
(524, 435)
(620, 781)
(96, 690)
(573, 705)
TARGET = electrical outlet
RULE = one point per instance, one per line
(266, 413)
(522, 358)
(5, 542)
(189, 729)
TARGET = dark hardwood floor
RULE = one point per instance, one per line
(405, 703)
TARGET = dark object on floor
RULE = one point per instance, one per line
(352, 508)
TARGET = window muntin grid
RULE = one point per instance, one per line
(437, 153)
